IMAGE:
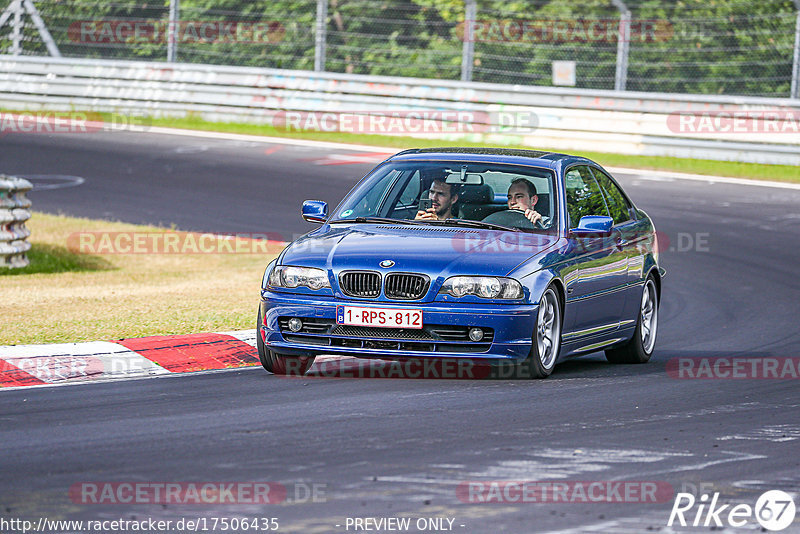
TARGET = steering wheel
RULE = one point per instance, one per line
(514, 219)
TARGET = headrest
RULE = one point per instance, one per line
(476, 194)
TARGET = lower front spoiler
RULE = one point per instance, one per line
(512, 330)
(501, 352)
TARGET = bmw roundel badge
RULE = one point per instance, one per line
(387, 263)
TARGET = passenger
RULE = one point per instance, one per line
(444, 198)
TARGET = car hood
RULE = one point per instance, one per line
(434, 250)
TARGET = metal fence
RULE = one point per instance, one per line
(737, 47)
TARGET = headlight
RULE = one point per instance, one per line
(487, 287)
(284, 276)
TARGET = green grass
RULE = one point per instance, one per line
(68, 295)
(49, 259)
(756, 171)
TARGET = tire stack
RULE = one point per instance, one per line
(13, 214)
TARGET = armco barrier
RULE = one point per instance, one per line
(13, 214)
(566, 119)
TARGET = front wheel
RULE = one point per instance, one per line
(641, 345)
(546, 341)
(275, 363)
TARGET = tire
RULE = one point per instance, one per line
(640, 347)
(546, 339)
(277, 364)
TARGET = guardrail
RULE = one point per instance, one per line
(13, 214)
(565, 119)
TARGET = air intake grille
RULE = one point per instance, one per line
(381, 333)
(432, 338)
(360, 284)
(406, 286)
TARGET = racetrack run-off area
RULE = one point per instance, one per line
(346, 448)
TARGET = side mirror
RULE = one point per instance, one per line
(315, 211)
(593, 226)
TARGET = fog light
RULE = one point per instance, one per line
(295, 324)
(475, 334)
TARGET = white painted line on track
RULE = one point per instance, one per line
(58, 362)
(667, 176)
(732, 456)
(774, 433)
(60, 181)
(270, 140)
(245, 336)
(389, 150)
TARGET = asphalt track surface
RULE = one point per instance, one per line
(401, 447)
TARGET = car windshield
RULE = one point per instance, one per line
(490, 195)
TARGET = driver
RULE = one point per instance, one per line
(444, 197)
(522, 196)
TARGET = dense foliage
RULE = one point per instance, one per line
(693, 46)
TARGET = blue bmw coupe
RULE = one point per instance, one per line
(498, 256)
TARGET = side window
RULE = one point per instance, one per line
(410, 195)
(618, 206)
(583, 195)
(403, 199)
(373, 199)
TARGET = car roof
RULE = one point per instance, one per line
(540, 158)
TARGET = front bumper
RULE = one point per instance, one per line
(511, 325)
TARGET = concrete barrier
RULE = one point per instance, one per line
(658, 124)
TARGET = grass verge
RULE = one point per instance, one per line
(67, 296)
(753, 171)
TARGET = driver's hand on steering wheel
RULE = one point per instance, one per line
(530, 214)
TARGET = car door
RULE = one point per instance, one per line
(629, 237)
(598, 270)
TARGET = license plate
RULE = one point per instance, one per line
(385, 317)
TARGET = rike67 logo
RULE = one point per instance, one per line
(774, 510)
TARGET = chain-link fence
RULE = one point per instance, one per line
(744, 47)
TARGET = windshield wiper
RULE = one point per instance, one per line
(476, 224)
(383, 220)
(451, 221)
